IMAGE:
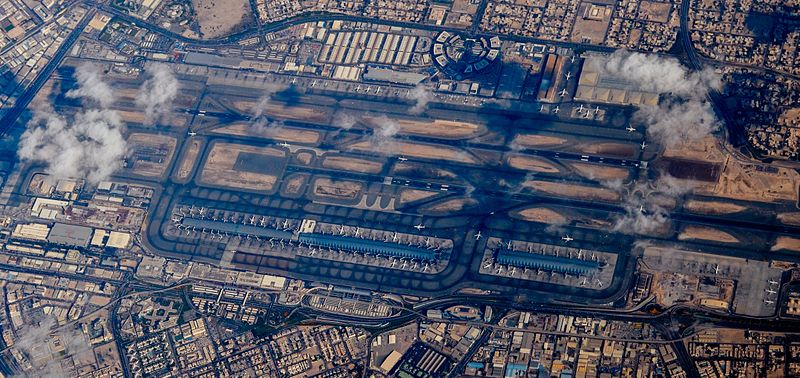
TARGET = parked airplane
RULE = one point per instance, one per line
(569, 75)
(478, 236)
(563, 92)
(630, 129)
(556, 110)
(419, 226)
(644, 145)
(567, 238)
(191, 133)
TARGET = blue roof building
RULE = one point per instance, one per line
(347, 243)
(546, 262)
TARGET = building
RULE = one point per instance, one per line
(546, 262)
(595, 86)
(68, 234)
(374, 247)
(235, 228)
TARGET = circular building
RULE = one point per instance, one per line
(459, 56)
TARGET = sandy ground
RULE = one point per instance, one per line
(287, 134)
(189, 159)
(456, 204)
(281, 110)
(608, 149)
(341, 189)
(218, 169)
(411, 195)
(705, 150)
(425, 151)
(533, 140)
(304, 157)
(572, 191)
(789, 218)
(787, 243)
(540, 214)
(600, 172)
(706, 233)
(142, 142)
(351, 164)
(294, 183)
(713, 207)
(745, 182)
(220, 17)
(534, 164)
(437, 128)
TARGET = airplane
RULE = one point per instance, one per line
(313, 251)
(572, 60)
(563, 92)
(770, 291)
(773, 282)
(500, 270)
(358, 231)
(488, 265)
(716, 269)
(580, 254)
(512, 271)
(569, 75)
(644, 145)
(556, 109)
(641, 209)
(313, 83)
(402, 158)
(509, 245)
(394, 262)
(284, 144)
(583, 283)
(378, 90)
(285, 224)
(769, 302)
(580, 109)
(541, 108)
(596, 110)
(394, 237)
(599, 283)
(358, 88)
(191, 133)
(405, 264)
(478, 236)
(419, 226)
(567, 238)
(425, 267)
(294, 80)
(630, 129)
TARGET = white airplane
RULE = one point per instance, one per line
(510, 245)
(191, 133)
(599, 283)
(580, 109)
(572, 60)
(541, 108)
(294, 80)
(596, 110)
(580, 254)
(402, 158)
(716, 269)
(630, 129)
(313, 251)
(358, 88)
(358, 231)
(488, 265)
(394, 262)
(284, 144)
(641, 209)
(512, 271)
(377, 90)
(313, 83)
(419, 226)
(405, 264)
(567, 238)
(773, 282)
(770, 291)
(563, 92)
(394, 237)
(478, 236)
(583, 283)
(643, 145)
(556, 109)
(769, 302)
(569, 75)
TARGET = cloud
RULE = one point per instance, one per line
(91, 86)
(89, 145)
(344, 120)
(644, 214)
(41, 346)
(684, 114)
(157, 93)
(422, 95)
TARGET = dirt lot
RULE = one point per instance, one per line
(188, 160)
(706, 233)
(219, 167)
(713, 207)
(288, 134)
(533, 164)
(540, 214)
(351, 164)
(747, 182)
(600, 172)
(789, 218)
(572, 191)
(653, 11)
(787, 243)
(150, 153)
(339, 189)
(411, 195)
(452, 205)
(534, 140)
(280, 110)
(437, 128)
(294, 184)
(218, 18)
(608, 149)
(425, 151)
